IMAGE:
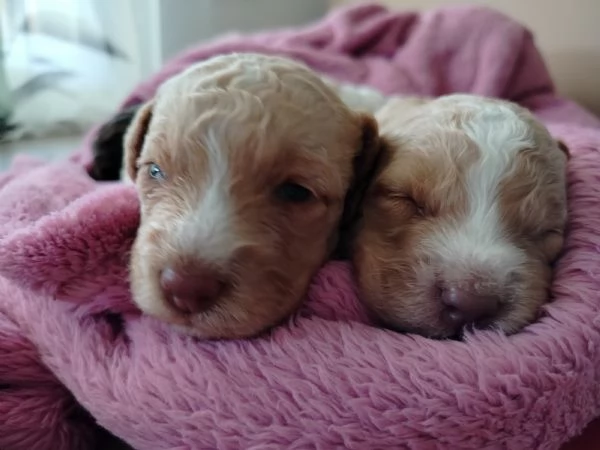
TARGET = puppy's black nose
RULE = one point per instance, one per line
(468, 307)
(190, 289)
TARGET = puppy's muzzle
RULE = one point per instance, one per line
(466, 305)
(192, 287)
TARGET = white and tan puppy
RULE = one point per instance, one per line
(243, 164)
(464, 219)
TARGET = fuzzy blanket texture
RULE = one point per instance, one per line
(75, 353)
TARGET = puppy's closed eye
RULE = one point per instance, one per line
(416, 206)
(397, 200)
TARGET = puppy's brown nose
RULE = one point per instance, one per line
(191, 289)
(467, 307)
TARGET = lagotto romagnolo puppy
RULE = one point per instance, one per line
(244, 164)
(463, 219)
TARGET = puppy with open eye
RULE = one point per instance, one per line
(463, 220)
(243, 164)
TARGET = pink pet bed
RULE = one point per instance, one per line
(76, 354)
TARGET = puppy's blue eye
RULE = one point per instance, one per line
(155, 172)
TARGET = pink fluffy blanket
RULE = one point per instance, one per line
(75, 353)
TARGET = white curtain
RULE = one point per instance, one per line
(66, 63)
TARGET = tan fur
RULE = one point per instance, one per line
(227, 133)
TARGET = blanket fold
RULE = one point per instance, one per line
(75, 353)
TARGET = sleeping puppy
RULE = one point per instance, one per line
(464, 219)
(243, 164)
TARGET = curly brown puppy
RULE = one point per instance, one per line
(243, 164)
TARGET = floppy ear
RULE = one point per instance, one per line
(563, 147)
(370, 157)
(134, 138)
(107, 147)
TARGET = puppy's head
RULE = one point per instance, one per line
(243, 164)
(462, 225)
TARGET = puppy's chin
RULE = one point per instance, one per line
(417, 314)
(254, 301)
(231, 316)
(427, 321)
(407, 302)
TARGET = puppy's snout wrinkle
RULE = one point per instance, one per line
(192, 288)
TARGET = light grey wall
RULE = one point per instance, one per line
(187, 22)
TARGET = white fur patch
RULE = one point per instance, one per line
(478, 243)
(206, 229)
(358, 97)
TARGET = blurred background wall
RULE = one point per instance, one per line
(567, 31)
(187, 22)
